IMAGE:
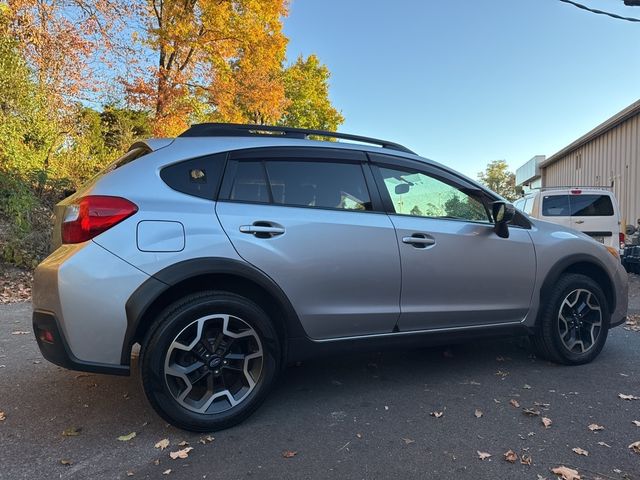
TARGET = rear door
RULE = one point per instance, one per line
(595, 214)
(306, 217)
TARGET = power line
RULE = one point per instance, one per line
(600, 12)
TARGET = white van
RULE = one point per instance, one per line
(591, 210)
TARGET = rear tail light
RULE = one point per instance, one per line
(576, 191)
(621, 238)
(92, 215)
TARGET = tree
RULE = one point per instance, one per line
(306, 85)
(215, 58)
(498, 178)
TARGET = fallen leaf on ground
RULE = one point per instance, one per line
(72, 432)
(359, 435)
(184, 453)
(66, 462)
(3, 416)
(526, 459)
(130, 473)
(546, 422)
(126, 438)
(408, 441)
(501, 373)
(531, 412)
(207, 439)
(183, 443)
(628, 397)
(527, 386)
(483, 455)
(635, 422)
(20, 332)
(566, 473)
(635, 446)
(289, 453)
(511, 456)
(478, 413)
(602, 444)
(580, 451)
(594, 427)
(436, 414)
(162, 444)
(514, 403)
(167, 471)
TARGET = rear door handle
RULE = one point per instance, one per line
(262, 229)
(419, 240)
(579, 221)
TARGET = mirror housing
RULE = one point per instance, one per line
(503, 213)
(402, 188)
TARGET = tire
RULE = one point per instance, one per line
(554, 336)
(234, 383)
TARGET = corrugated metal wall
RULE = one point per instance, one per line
(613, 157)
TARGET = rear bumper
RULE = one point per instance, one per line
(79, 294)
(54, 347)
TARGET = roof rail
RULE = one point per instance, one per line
(242, 130)
(577, 187)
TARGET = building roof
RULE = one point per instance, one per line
(617, 119)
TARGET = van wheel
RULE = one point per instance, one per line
(573, 323)
(209, 361)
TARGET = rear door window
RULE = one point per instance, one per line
(318, 184)
(591, 206)
(556, 206)
(250, 183)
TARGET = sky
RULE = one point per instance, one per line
(465, 82)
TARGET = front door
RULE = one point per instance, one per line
(305, 217)
(456, 272)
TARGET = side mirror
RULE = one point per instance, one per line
(402, 188)
(503, 213)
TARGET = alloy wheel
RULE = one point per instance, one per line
(579, 321)
(213, 364)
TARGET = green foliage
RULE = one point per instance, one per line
(306, 84)
(498, 178)
(45, 152)
(466, 208)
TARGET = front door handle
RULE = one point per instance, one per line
(419, 240)
(262, 229)
(579, 221)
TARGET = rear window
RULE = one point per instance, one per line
(577, 206)
(555, 206)
(591, 206)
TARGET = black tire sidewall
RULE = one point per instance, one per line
(170, 323)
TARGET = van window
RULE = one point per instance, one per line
(591, 206)
(556, 206)
(528, 205)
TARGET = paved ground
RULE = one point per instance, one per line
(361, 416)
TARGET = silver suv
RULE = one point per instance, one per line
(232, 250)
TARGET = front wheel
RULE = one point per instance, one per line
(574, 322)
(209, 361)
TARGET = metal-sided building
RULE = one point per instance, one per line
(609, 155)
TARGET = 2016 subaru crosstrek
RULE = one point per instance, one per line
(232, 250)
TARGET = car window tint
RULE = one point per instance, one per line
(591, 206)
(555, 206)
(250, 184)
(318, 184)
(424, 196)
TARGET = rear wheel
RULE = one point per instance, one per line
(209, 361)
(574, 321)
